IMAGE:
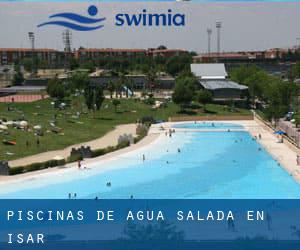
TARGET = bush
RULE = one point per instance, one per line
(16, 170)
(74, 157)
(123, 144)
(36, 166)
(98, 152)
(147, 119)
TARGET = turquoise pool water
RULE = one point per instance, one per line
(208, 125)
(209, 165)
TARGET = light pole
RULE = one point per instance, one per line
(32, 40)
(218, 26)
(209, 31)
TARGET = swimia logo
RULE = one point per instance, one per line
(77, 22)
(150, 19)
(88, 23)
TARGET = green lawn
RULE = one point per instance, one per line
(79, 130)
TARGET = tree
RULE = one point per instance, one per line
(94, 97)
(28, 64)
(177, 64)
(55, 89)
(151, 79)
(89, 65)
(184, 91)
(111, 88)
(79, 80)
(116, 103)
(161, 47)
(204, 97)
(18, 77)
(74, 64)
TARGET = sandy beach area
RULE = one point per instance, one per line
(284, 153)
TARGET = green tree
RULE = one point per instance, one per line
(111, 88)
(18, 76)
(56, 89)
(94, 98)
(204, 97)
(178, 64)
(74, 64)
(89, 65)
(116, 103)
(79, 80)
(184, 91)
(151, 79)
(28, 64)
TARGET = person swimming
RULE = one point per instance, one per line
(178, 150)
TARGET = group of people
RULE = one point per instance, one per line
(171, 131)
(74, 196)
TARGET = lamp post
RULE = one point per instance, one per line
(32, 40)
(218, 26)
(209, 31)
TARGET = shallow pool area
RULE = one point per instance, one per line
(207, 125)
(188, 164)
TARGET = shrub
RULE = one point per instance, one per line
(36, 166)
(74, 157)
(16, 170)
(98, 152)
(147, 119)
(123, 144)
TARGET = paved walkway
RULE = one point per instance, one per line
(109, 139)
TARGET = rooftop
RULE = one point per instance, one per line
(209, 70)
(221, 84)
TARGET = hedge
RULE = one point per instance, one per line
(36, 166)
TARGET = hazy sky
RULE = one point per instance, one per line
(246, 26)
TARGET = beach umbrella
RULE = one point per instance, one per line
(37, 127)
(23, 124)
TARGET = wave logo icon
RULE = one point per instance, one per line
(77, 22)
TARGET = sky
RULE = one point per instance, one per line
(245, 26)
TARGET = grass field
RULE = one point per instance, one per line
(84, 128)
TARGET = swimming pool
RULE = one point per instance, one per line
(209, 165)
(208, 125)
